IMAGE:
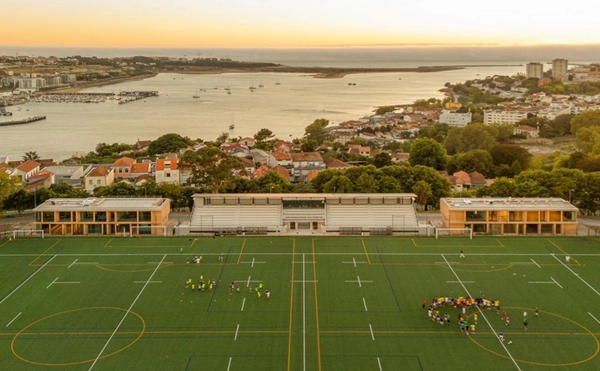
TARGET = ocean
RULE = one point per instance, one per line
(286, 103)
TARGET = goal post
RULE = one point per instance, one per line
(454, 232)
(147, 230)
(27, 233)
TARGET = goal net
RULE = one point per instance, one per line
(453, 232)
(147, 230)
(20, 233)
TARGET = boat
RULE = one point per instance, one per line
(196, 96)
(261, 86)
(228, 92)
(231, 127)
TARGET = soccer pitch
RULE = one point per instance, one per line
(336, 303)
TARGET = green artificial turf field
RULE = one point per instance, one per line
(337, 303)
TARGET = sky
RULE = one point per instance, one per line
(285, 23)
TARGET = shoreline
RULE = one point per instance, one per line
(315, 72)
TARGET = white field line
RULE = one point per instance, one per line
(303, 312)
(365, 304)
(535, 263)
(253, 262)
(252, 265)
(576, 275)
(74, 261)
(556, 283)
(248, 283)
(483, 316)
(17, 316)
(354, 262)
(126, 314)
(359, 284)
(372, 334)
(145, 281)
(379, 363)
(52, 282)
(593, 317)
(460, 281)
(552, 282)
(236, 332)
(300, 281)
(229, 364)
(243, 303)
(152, 263)
(28, 278)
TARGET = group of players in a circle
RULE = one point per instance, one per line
(465, 303)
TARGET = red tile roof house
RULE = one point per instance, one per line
(167, 170)
(27, 169)
(122, 167)
(248, 142)
(100, 176)
(463, 181)
(41, 179)
(334, 163)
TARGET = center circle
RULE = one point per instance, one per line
(61, 332)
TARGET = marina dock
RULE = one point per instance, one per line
(23, 121)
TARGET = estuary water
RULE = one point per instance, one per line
(283, 102)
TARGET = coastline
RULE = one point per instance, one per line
(315, 72)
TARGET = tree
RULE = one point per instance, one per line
(212, 168)
(428, 152)
(502, 187)
(585, 119)
(338, 184)
(168, 143)
(323, 177)
(222, 138)
(272, 182)
(382, 159)
(384, 109)
(588, 140)
(116, 189)
(309, 145)
(476, 160)
(423, 192)
(8, 186)
(31, 155)
(263, 135)
(316, 131)
(470, 137)
(506, 154)
(19, 201)
(388, 184)
(366, 183)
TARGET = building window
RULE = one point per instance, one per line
(95, 228)
(48, 216)
(64, 216)
(101, 216)
(87, 216)
(126, 216)
(91, 181)
(145, 216)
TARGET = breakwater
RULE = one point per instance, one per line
(23, 121)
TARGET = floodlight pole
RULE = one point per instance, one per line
(570, 190)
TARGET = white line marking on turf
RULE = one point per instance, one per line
(22, 312)
(593, 317)
(577, 275)
(460, 281)
(556, 283)
(147, 281)
(365, 304)
(309, 281)
(236, 331)
(74, 261)
(243, 303)
(52, 282)
(160, 263)
(248, 283)
(552, 282)
(379, 363)
(304, 311)
(253, 262)
(28, 278)
(126, 314)
(353, 262)
(372, 334)
(360, 282)
(535, 263)
(229, 364)
(483, 315)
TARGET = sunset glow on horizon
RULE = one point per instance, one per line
(311, 23)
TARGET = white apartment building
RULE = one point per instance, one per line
(535, 70)
(455, 118)
(559, 69)
(503, 117)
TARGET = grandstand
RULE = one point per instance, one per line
(304, 213)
